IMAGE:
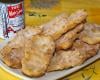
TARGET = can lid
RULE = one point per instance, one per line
(10, 1)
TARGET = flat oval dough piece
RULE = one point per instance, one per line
(61, 24)
(91, 34)
(38, 53)
(66, 41)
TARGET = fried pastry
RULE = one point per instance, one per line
(77, 55)
(91, 34)
(38, 53)
(13, 52)
(61, 24)
(86, 49)
(28, 32)
(66, 41)
(65, 59)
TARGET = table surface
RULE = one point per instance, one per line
(91, 72)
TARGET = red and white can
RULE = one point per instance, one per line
(11, 18)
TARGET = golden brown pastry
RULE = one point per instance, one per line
(86, 49)
(55, 27)
(65, 59)
(75, 56)
(66, 41)
(61, 24)
(28, 32)
(38, 53)
(91, 34)
(13, 52)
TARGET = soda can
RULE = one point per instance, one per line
(11, 19)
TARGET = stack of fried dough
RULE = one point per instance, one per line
(64, 42)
